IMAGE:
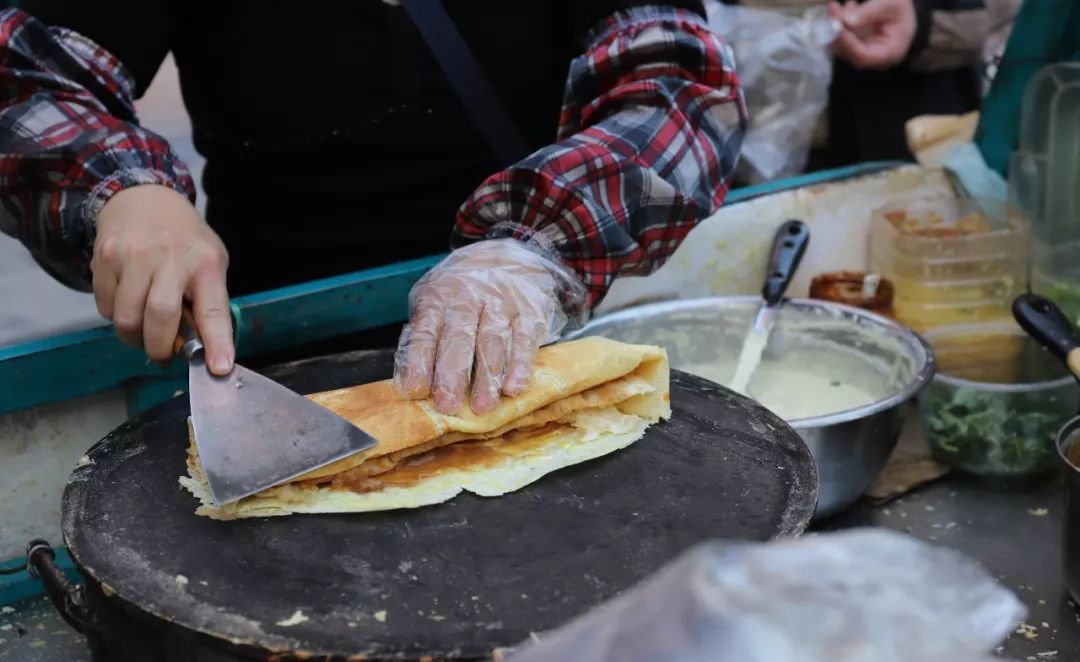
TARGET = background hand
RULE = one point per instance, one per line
(151, 252)
(876, 34)
(489, 305)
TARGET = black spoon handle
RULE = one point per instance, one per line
(787, 251)
(1048, 326)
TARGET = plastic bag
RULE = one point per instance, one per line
(853, 596)
(784, 65)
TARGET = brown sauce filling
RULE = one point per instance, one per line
(474, 454)
(594, 398)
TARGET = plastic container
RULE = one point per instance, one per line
(997, 402)
(952, 261)
(1050, 136)
(1044, 181)
(855, 288)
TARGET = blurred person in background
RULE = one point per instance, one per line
(898, 59)
(892, 60)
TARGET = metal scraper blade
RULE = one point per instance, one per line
(253, 433)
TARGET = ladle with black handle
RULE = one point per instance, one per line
(789, 246)
(1048, 326)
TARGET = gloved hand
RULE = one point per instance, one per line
(490, 305)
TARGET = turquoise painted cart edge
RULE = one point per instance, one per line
(21, 586)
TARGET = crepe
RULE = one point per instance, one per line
(931, 137)
(587, 398)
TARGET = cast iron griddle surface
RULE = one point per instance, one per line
(455, 580)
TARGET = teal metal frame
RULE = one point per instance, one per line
(21, 585)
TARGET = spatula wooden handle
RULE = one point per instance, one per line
(187, 338)
(1073, 361)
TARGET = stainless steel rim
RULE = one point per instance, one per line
(1067, 434)
(924, 353)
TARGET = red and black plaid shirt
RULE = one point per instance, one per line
(649, 136)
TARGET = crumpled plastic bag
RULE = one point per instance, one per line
(785, 68)
(864, 595)
(967, 165)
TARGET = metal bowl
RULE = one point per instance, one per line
(850, 447)
(1067, 439)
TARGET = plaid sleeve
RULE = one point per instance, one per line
(68, 141)
(649, 136)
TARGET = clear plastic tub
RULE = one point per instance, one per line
(1055, 274)
(923, 317)
(998, 399)
(951, 230)
(952, 261)
(1004, 264)
(1044, 181)
(1049, 151)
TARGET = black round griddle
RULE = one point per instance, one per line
(454, 581)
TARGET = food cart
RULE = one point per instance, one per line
(59, 394)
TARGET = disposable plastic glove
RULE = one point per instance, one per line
(477, 318)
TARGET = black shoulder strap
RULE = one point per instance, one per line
(468, 79)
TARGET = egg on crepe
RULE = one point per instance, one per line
(587, 398)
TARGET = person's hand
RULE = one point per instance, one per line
(876, 34)
(489, 305)
(152, 252)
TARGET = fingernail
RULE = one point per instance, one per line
(442, 403)
(515, 383)
(412, 387)
(481, 403)
(220, 364)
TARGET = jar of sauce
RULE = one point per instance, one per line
(855, 288)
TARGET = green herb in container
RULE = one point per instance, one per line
(994, 428)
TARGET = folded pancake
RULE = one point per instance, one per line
(587, 398)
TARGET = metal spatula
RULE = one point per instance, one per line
(253, 433)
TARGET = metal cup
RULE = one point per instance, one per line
(1068, 446)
